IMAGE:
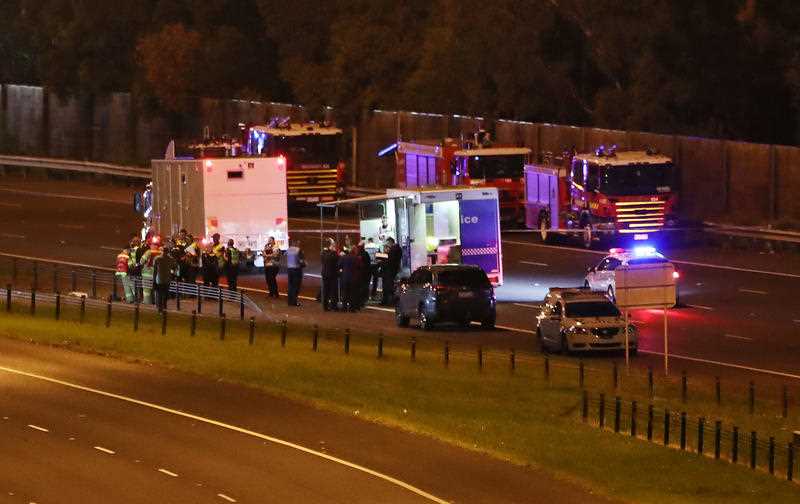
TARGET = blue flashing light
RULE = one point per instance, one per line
(644, 251)
(387, 150)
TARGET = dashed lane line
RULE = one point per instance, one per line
(36, 427)
(233, 428)
(167, 472)
(225, 497)
(105, 450)
(754, 291)
(534, 263)
(741, 338)
(13, 236)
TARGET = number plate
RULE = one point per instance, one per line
(466, 294)
(640, 237)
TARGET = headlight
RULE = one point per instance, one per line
(578, 330)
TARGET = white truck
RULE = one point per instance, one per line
(241, 198)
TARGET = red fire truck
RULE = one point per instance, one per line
(315, 167)
(629, 195)
(451, 162)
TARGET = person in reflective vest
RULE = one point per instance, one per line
(123, 266)
(147, 262)
(232, 257)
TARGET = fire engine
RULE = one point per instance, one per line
(602, 194)
(314, 154)
(453, 162)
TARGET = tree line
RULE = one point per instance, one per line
(720, 68)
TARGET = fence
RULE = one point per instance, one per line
(699, 435)
(752, 183)
(42, 275)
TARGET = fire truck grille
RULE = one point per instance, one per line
(311, 183)
(640, 216)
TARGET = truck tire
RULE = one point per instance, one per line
(544, 228)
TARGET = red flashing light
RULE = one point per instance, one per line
(209, 164)
(281, 161)
(676, 275)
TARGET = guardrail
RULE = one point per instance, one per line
(75, 166)
(41, 274)
(754, 232)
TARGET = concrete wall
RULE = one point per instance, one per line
(735, 182)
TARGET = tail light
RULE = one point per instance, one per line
(676, 275)
(340, 171)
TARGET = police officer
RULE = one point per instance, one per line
(232, 257)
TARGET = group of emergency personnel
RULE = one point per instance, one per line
(182, 257)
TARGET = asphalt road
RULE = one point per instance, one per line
(89, 429)
(740, 315)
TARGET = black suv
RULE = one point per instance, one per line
(446, 293)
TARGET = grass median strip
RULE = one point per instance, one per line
(520, 417)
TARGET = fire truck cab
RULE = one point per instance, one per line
(453, 163)
(629, 195)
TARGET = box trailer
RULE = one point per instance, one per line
(436, 225)
(243, 199)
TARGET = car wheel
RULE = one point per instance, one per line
(402, 320)
(423, 321)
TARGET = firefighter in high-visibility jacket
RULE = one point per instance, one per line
(124, 265)
(232, 256)
(147, 262)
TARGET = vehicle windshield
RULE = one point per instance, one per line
(306, 149)
(633, 179)
(495, 167)
(581, 309)
(472, 278)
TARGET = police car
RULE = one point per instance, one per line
(581, 320)
(601, 277)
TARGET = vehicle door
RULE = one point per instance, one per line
(607, 277)
(406, 298)
(551, 322)
(595, 273)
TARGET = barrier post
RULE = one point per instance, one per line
(178, 296)
(649, 422)
(193, 323)
(701, 431)
(380, 347)
(108, 312)
(314, 337)
(446, 353)
(222, 322)
(480, 357)
(33, 302)
(547, 369)
(58, 305)
(790, 462)
(735, 445)
(617, 413)
(284, 330)
(35, 275)
(219, 299)
(601, 411)
(199, 300)
(753, 449)
(667, 425)
(513, 360)
(717, 439)
(580, 374)
(241, 305)
(684, 387)
(633, 418)
(74, 278)
(83, 309)
(163, 322)
(650, 386)
(413, 349)
(252, 337)
(683, 430)
(8, 297)
(136, 317)
(347, 341)
(114, 287)
(94, 284)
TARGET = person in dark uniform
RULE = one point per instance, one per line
(330, 276)
(390, 270)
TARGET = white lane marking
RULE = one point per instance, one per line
(724, 364)
(241, 430)
(753, 291)
(13, 236)
(66, 196)
(534, 263)
(11, 205)
(167, 472)
(38, 428)
(743, 338)
(527, 305)
(225, 497)
(700, 307)
(674, 261)
(71, 226)
(515, 329)
(105, 450)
